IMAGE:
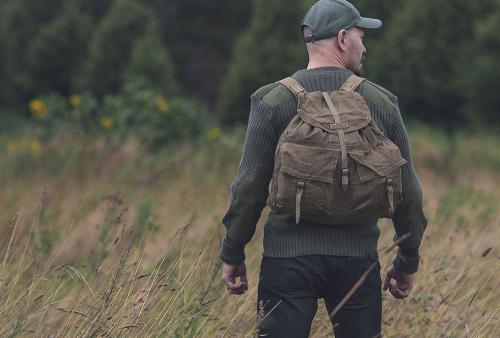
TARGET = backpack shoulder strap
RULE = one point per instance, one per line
(352, 83)
(294, 86)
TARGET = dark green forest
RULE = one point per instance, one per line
(440, 57)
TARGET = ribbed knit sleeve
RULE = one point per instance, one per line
(409, 218)
(249, 190)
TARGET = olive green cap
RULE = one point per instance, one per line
(327, 17)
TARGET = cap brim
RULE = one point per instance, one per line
(369, 23)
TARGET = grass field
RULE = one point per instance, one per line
(111, 240)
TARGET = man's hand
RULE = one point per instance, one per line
(404, 283)
(229, 275)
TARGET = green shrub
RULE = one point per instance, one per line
(85, 110)
(49, 111)
(136, 110)
(158, 120)
(54, 110)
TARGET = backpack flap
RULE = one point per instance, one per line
(354, 112)
(373, 163)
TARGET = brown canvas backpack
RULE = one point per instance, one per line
(333, 165)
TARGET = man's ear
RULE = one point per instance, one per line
(341, 37)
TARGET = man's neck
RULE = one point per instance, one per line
(326, 61)
(320, 65)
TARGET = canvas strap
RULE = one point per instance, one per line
(352, 83)
(298, 197)
(292, 84)
(342, 140)
(390, 193)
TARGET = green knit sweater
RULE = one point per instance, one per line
(272, 108)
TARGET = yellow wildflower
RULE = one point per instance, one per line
(36, 146)
(161, 104)
(106, 122)
(14, 145)
(37, 109)
(214, 134)
(75, 101)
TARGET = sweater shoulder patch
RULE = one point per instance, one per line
(273, 94)
(262, 91)
(378, 95)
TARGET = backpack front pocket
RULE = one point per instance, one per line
(305, 179)
(372, 163)
(377, 185)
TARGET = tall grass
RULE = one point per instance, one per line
(106, 240)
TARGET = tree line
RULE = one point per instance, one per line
(440, 57)
(180, 46)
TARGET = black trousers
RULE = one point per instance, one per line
(289, 289)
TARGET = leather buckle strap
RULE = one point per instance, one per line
(293, 85)
(345, 179)
(390, 195)
(352, 83)
(298, 197)
(333, 126)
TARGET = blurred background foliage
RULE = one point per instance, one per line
(439, 57)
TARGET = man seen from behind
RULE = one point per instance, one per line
(305, 261)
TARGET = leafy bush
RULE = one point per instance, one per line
(145, 111)
(48, 111)
(137, 109)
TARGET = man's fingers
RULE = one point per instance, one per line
(241, 286)
(238, 289)
(230, 273)
(230, 282)
(404, 287)
(404, 292)
(234, 287)
(394, 292)
(244, 281)
(398, 293)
